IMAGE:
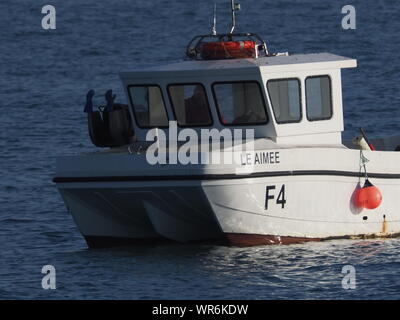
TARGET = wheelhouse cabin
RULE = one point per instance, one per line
(289, 99)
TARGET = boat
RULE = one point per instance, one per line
(292, 178)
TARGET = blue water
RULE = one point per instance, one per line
(44, 75)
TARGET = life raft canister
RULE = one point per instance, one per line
(228, 50)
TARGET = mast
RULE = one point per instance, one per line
(214, 28)
(234, 7)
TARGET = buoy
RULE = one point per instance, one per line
(368, 197)
(357, 198)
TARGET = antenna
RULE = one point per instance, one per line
(214, 28)
(234, 7)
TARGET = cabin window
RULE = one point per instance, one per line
(148, 106)
(319, 99)
(190, 105)
(285, 96)
(240, 103)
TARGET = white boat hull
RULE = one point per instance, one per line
(306, 196)
(316, 208)
(140, 212)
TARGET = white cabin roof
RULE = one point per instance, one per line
(279, 63)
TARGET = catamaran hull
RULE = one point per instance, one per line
(240, 211)
(307, 195)
(120, 213)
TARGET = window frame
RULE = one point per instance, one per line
(300, 99)
(240, 124)
(330, 93)
(173, 108)
(133, 108)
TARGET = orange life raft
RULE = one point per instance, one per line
(228, 50)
